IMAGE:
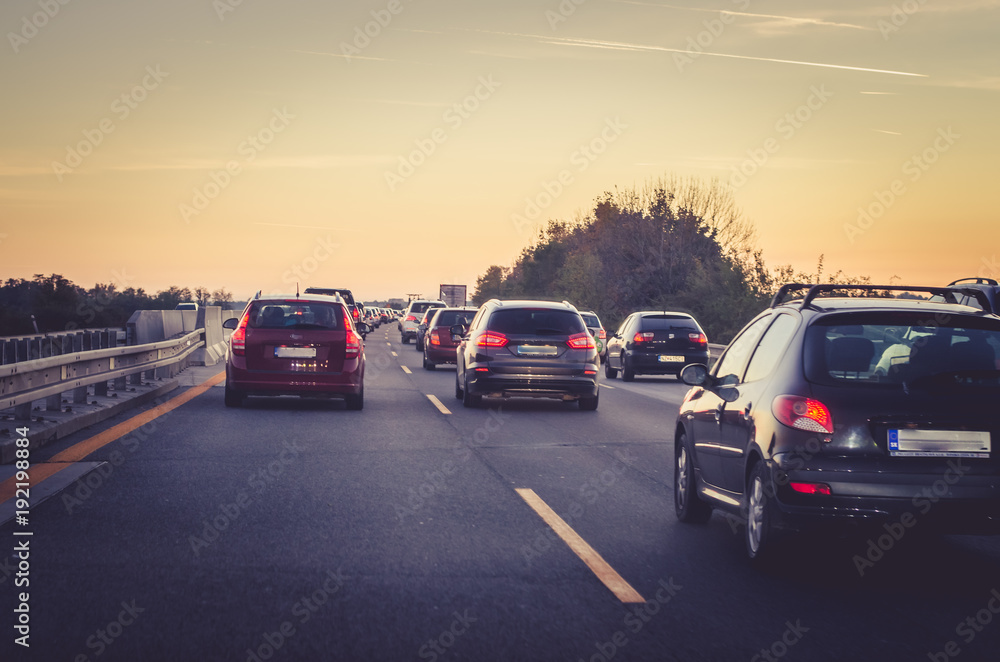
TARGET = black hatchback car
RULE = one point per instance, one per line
(655, 343)
(846, 408)
(534, 349)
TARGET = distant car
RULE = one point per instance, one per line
(977, 292)
(344, 293)
(596, 329)
(534, 349)
(856, 410)
(439, 342)
(186, 305)
(422, 328)
(653, 342)
(414, 313)
(305, 345)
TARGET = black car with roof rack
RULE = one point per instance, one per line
(964, 292)
(848, 405)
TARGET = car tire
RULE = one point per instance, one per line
(418, 345)
(355, 401)
(688, 506)
(233, 398)
(762, 536)
(403, 339)
(588, 403)
(628, 374)
(458, 387)
(470, 400)
(609, 372)
(428, 365)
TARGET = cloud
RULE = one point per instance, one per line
(777, 20)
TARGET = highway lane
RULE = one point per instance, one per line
(295, 529)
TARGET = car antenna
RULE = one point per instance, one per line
(296, 289)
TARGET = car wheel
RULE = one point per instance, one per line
(628, 374)
(761, 515)
(588, 403)
(404, 339)
(356, 402)
(418, 345)
(609, 372)
(428, 365)
(687, 504)
(458, 387)
(233, 398)
(468, 399)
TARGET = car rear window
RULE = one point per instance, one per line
(452, 317)
(418, 308)
(590, 320)
(664, 322)
(536, 322)
(903, 348)
(295, 314)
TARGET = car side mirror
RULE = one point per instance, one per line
(457, 329)
(231, 323)
(364, 328)
(697, 374)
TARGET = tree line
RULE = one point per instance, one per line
(673, 244)
(54, 303)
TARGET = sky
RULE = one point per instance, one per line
(390, 146)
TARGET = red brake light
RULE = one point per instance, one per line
(238, 341)
(699, 338)
(355, 314)
(435, 339)
(491, 339)
(352, 347)
(811, 488)
(641, 336)
(581, 341)
(410, 318)
(802, 413)
(602, 334)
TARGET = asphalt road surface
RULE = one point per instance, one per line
(296, 530)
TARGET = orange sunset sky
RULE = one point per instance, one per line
(392, 145)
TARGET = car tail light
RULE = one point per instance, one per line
(238, 341)
(435, 339)
(581, 341)
(352, 346)
(642, 336)
(410, 318)
(492, 339)
(699, 338)
(802, 413)
(602, 334)
(355, 314)
(811, 488)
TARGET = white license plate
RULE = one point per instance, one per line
(939, 443)
(282, 352)
(537, 350)
(670, 358)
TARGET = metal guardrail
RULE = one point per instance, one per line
(23, 383)
(17, 349)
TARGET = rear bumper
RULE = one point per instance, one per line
(955, 497)
(263, 382)
(440, 354)
(532, 386)
(649, 363)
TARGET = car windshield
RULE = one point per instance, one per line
(452, 317)
(294, 314)
(904, 349)
(537, 321)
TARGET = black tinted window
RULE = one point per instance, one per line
(536, 321)
(298, 314)
(418, 309)
(452, 317)
(591, 320)
(770, 348)
(664, 322)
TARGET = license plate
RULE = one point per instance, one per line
(537, 350)
(670, 358)
(939, 443)
(282, 352)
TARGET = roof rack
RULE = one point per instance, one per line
(973, 280)
(948, 293)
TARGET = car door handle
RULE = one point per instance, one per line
(718, 413)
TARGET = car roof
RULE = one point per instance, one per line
(833, 304)
(533, 303)
(302, 297)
